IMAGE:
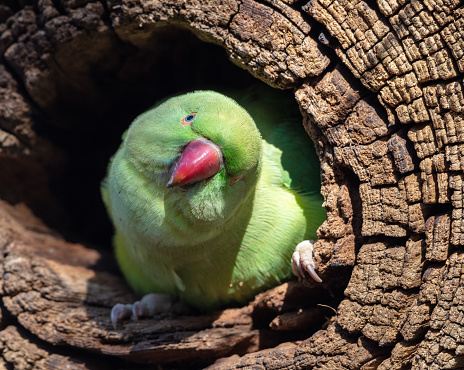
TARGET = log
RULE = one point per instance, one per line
(379, 87)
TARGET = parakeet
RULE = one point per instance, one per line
(207, 208)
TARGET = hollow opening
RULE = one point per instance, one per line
(87, 101)
(97, 97)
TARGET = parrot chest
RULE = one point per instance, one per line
(160, 251)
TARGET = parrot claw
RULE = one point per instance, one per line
(119, 312)
(150, 305)
(302, 261)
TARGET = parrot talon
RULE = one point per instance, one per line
(138, 310)
(302, 261)
(148, 306)
(151, 304)
(120, 312)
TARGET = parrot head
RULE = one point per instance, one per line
(201, 151)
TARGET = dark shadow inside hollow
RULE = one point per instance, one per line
(98, 98)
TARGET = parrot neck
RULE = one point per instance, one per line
(192, 237)
(208, 211)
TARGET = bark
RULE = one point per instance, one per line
(380, 91)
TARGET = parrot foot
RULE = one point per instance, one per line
(150, 305)
(302, 260)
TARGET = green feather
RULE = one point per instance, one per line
(213, 243)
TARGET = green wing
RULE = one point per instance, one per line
(277, 116)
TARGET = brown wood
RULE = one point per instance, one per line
(379, 87)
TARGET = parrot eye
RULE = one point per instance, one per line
(187, 120)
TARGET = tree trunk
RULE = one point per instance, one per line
(380, 92)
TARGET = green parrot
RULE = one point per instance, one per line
(207, 209)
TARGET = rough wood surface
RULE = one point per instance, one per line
(380, 89)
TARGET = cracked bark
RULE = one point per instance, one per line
(380, 91)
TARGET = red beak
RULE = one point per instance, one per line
(200, 160)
